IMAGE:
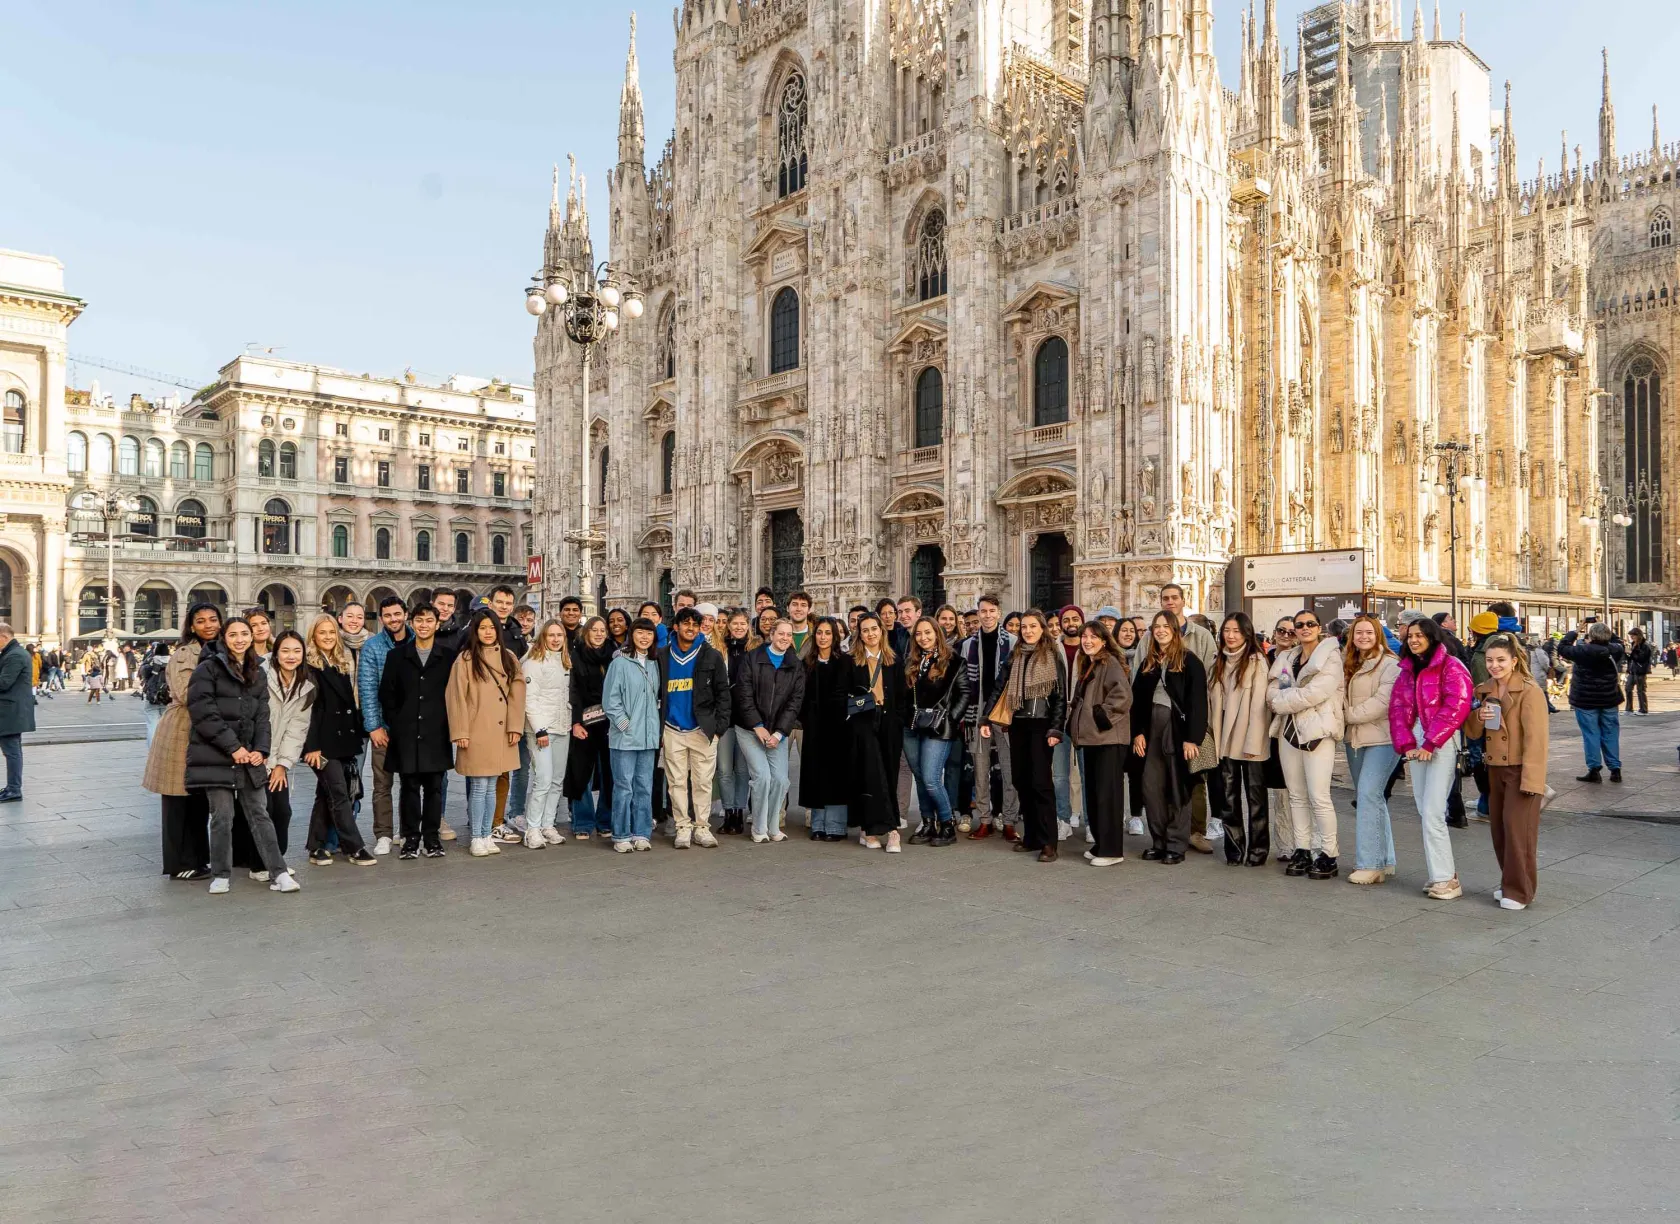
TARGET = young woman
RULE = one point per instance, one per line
(876, 694)
(1132, 644)
(767, 618)
(1169, 722)
(1510, 710)
(290, 694)
(1305, 692)
(186, 815)
(1430, 702)
(332, 747)
(588, 759)
(731, 783)
(825, 760)
(486, 702)
(631, 703)
(1012, 624)
(937, 687)
(1241, 722)
(547, 668)
(618, 628)
(1034, 705)
(227, 699)
(768, 696)
(1369, 670)
(1099, 723)
(262, 631)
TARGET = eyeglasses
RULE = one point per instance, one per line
(1306, 624)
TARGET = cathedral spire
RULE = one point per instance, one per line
(554, 214)
(1385, 150)
(1606, 126)
(1271, 83)
(1303, 110)
(1417, 22)
(632, 144)
(1349, 156)
(1509, 180)
(1437, 20)
(1656, 134)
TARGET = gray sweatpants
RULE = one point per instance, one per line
(253, 802)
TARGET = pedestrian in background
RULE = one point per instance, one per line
(1509, 711)
(17, 709)
(1638, 668)
(1595, 693)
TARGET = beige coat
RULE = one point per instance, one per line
(1108, 689)
(484, 713)
(1365, 713)
(1240, 717)
(166, 760)
(1524, 732)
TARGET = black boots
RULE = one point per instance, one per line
(1299, 863)
(924, 833)
(1615, 775)
(1594, 775)
(732, 821)
(944, 834)
(1323, 868)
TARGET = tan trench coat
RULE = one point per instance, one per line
(483, 713)
(166, 760)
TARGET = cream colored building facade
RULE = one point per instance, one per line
(958, 295)
(35, 318)
(293, 487)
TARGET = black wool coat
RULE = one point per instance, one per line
(411, 694)
(825, 762)
(335, 724)
(17, 689)
(226, 714)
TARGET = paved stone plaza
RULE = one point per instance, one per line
(813, 1033)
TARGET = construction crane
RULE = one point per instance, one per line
(118, 367)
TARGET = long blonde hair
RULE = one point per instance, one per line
(339, 657)
(539, 644)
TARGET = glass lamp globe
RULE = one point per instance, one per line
(535, 304)
(633, 308)
(609, 296)
(1440, 490)
(556, 293)
(610, 319)
(1464, 482)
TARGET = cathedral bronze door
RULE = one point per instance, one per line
(927, 576)
(787, 554)
(1051, 563)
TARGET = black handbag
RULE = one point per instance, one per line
(864, 702)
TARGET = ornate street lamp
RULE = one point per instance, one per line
(109, 507)
(1602, 511)
(1455, 484)
(589, 308)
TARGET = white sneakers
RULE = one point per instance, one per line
(382, 846)
(641, 843)
(703, 837)
(622, 847)
(778, 835)
(445, 833)
(760, 838)
(1134, 825)
(684, 839)
(893, 846)
(553, 836)
(283, 883)
(260, 877)
(1507, 903)
(1090, 835)
(869, 842)
(1063, 830)
(534, 840)
(479, 847)
(1106, 862)
(218, 886)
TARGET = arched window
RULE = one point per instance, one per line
(463, 548)
(179, 456)
(128, 456)
(143, 522)
(1662, 229)
(791, 158)
(5, 590)
(498, 550)
(11, 425)
(601, 474)
(930, 408)
(1050, 382)
(784, 331)
(288, 461)
(1642, 475)
(276, 527)
(75, 451)
(204, 462)
(667, 461)
(265, 458)
(382, 544)
(422, 546)
(153, 465)
(929, 271)
(340, 540)
(104, 454)
(190, 520)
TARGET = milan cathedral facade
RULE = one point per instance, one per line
(945, 296)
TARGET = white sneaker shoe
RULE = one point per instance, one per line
(553, 836)
(684, 839)
(218, 886)
(869, 843)
(1134, 826)
(622, 847)
(760, 838)
(893, 846)
(445, 833)
(703, 837)
(1106, 862)
(479, 847)
(641, 843)
(1499, 894)
(1089, 855)
(778, 835)
(382, 846)
(1063, 830)
(534, 840)
(260, 876)
(491, 847)
(284, 883)
(1507, 903)
(1090, 835)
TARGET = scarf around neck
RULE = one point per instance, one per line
(1033, 677)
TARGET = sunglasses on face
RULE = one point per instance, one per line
(1306, 624)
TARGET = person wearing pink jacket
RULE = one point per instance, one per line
(1431, 700)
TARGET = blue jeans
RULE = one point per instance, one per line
(829, 820)
(730, 783)
(518, 782)
(767, 779)
(547, 767)
(481, 806)
(12, 747)
(632, 809)
(1373, 842)
(1432, 781)
(926, 757)
(1601, 737)
(1061, 765)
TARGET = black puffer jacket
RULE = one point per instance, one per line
(335, 724)
(1595, 683)
(227, 714)
(769, 696)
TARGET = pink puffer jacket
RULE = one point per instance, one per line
(1438, 697)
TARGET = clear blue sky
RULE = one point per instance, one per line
(365, 182)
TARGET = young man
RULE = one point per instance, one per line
(694, 710)
(412, 693)
(649, 610)
(763, 598)
(370, 669)
(501, 603)
(448, 628)
(1201, 644)
(909, 608)
(510, 788)
(17, 709)
(799, 612)
(971, 622)
(526, 616)
(571, 616)
(985, 657)
(684, 598)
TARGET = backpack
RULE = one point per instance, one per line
(154, 687)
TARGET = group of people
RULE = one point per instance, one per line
(1172, 728)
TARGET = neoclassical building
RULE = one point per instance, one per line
(958, 295)
(295, 487)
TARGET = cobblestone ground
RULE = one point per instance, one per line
(813, 1032)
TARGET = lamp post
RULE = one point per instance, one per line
(1602, 511)
(1456, 481)
(108, 506)
(589, 306)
